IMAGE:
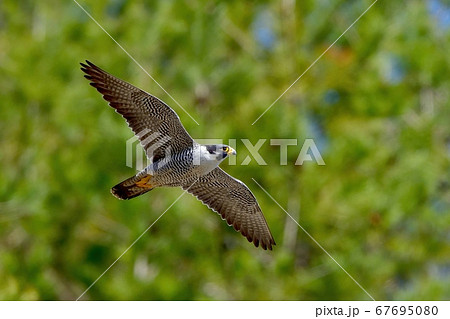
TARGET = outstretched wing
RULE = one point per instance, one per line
(235, 203)
(155, 124)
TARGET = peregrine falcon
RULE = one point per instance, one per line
(177, 160)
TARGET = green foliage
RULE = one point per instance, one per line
(376, 104)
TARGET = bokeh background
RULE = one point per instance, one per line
(376, 105)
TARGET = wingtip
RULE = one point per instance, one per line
(85, 66)
(267, 245)
(271, 243)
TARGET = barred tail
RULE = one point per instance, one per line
(133, 186)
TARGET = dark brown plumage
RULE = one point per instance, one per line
(158, 127)
(235, 203)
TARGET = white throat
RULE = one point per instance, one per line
(202, 158)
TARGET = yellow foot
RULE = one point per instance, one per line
(144, 182)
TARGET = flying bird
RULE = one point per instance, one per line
(177, 160)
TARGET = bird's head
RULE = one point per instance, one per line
(219, 151)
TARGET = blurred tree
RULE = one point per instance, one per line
(376, 105)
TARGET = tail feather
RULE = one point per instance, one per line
(133, 186)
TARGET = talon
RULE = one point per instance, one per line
(144, 182)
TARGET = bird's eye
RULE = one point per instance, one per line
(225, 148)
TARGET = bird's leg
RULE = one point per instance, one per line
(144, 182)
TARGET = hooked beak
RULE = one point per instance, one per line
(231, 151)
